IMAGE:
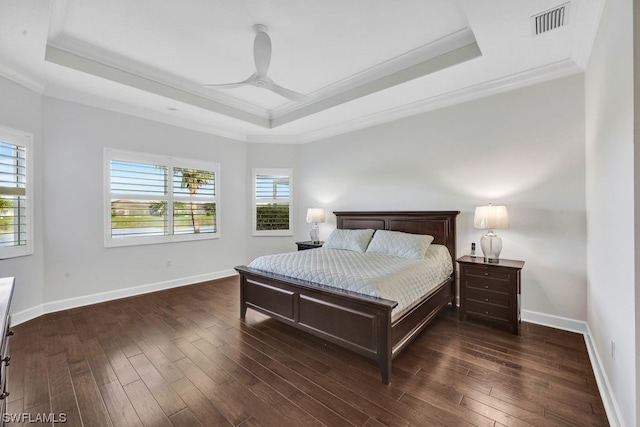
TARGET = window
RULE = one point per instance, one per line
(272, 195)
(16, 224)
(155, 199)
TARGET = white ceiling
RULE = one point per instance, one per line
(361, 62)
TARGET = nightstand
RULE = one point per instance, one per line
(491, 290)
(308, 245)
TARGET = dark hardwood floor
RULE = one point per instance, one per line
(182, 357)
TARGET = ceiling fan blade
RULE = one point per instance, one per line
(262, 59)
(261, 50)
(287, 93)
(248, 81)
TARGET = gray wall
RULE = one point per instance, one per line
(611, 249)
(523, 149)
(21, 109)
(76, 261)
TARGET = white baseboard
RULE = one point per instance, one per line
(608, 398)
(65, 304)
(578, 326)
(552, 321)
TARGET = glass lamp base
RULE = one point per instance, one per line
(315, 234)
(491, 246)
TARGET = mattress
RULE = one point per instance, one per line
(394, 278)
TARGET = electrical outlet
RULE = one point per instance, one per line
(613, 350)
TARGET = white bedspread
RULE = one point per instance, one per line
(398, 279)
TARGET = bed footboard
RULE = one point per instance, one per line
(359, 323)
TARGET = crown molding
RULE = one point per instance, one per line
(72, 54)
(461, 38)
(446, 52)
(548, 72)
(96, 54)
(79, 97)
(506, 83)
(21, 79)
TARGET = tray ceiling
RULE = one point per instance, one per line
(360, 62)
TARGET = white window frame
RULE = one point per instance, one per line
(23, 139)
(254, 212)
(170, 163)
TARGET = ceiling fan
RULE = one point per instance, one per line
(262, 59)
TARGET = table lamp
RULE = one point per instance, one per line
(489, 218)
(315, 215)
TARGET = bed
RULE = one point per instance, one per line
(361, 323)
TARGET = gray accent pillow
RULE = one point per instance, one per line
(397, 243)
(352, 240)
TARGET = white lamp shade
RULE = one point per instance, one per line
(491, 217)
(315, 215)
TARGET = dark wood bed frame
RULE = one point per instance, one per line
(354, 321)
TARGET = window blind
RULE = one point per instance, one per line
(272, 202)
(141, 209)
(13, 195)
(191, 212)
(154, 199)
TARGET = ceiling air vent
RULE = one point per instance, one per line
(550, 19)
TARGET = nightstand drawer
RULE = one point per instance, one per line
(489, 273)
(488, 285)
(487, 310)
(495, 298)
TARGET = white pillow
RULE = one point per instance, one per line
(352, 240)
(400, 244)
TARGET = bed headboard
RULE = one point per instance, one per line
(439, 224)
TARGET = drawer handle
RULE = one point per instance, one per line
(486, 274)
(486, 299)
(486, 312)
(6, 360)
(486, 286)
(4, 395)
